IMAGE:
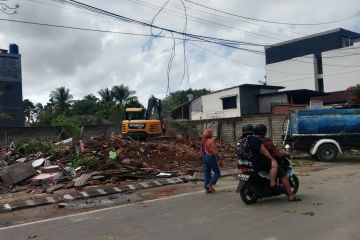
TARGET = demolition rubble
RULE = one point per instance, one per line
(41, 166)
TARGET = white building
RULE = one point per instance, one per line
(230, 102)
(325, 62)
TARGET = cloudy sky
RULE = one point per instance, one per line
(86, 62)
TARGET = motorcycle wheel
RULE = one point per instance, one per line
(248, 196)
(294, 183)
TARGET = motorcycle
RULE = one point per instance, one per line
(256, 185)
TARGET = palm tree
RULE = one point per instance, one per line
(121, 93)
(39, 109)
(29, 109)
(61, 98)
(106, 95)
(91, 97)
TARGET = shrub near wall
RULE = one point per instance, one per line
(51, 133)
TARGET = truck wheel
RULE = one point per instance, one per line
(327, 152)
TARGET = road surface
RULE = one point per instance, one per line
(330, 210)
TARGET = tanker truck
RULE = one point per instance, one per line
(324, 133)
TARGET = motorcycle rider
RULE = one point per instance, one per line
(250, 148)
(260, 132)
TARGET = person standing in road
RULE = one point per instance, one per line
(209, 152)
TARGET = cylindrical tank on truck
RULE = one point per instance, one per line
(324, 133)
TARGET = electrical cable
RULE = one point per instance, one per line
(172, 56)
(273, 22)
(156, 15)
(245, 64)
(207, 13)
(186, 65)
(203, 21)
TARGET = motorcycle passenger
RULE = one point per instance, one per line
(250, 148)
(260, 131)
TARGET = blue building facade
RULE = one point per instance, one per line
(11, 109)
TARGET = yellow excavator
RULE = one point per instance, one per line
(138, 123)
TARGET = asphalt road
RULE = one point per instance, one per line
(330, 210)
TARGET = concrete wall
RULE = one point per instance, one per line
(212, 107)
(297, 73)
(336, 77)
(229, 130)
(266, 102)
(50, 133)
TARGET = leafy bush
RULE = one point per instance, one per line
(30, 146)
(81, 160)
(69, 124)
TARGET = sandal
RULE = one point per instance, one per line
(295, 199)
(209, 189)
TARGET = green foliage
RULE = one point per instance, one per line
(84, 107)
(69, 124)
(81, 160)
(29, 110)
(121, 93)
(61, 98)
(60, 111)
(30, 146)
(354, 94)
(179, 97)
(106, 95)
(187, 127)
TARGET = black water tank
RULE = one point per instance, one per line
(13, 48)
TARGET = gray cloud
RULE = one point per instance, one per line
(86, 62)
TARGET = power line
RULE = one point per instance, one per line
(244, 43)
(203, 21)
(219, 41)
(245, 64)
(88, 29)
(186, 65)
(273, 22)
(207, 13)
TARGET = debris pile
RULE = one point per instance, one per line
(35, 166)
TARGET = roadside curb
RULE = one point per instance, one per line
(89, 193)
(54, 198)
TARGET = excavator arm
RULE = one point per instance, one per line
(153, 103)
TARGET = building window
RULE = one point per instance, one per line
(321, 84)
(229, 102)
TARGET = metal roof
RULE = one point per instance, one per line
(341, 30)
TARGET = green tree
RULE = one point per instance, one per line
(29, 110)
(91, 97)
(106, 95)
(61, 97)
(120, 93)
(69, 125)
(179, 97)
(84, 107)
(354, 94)
(133, 102)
